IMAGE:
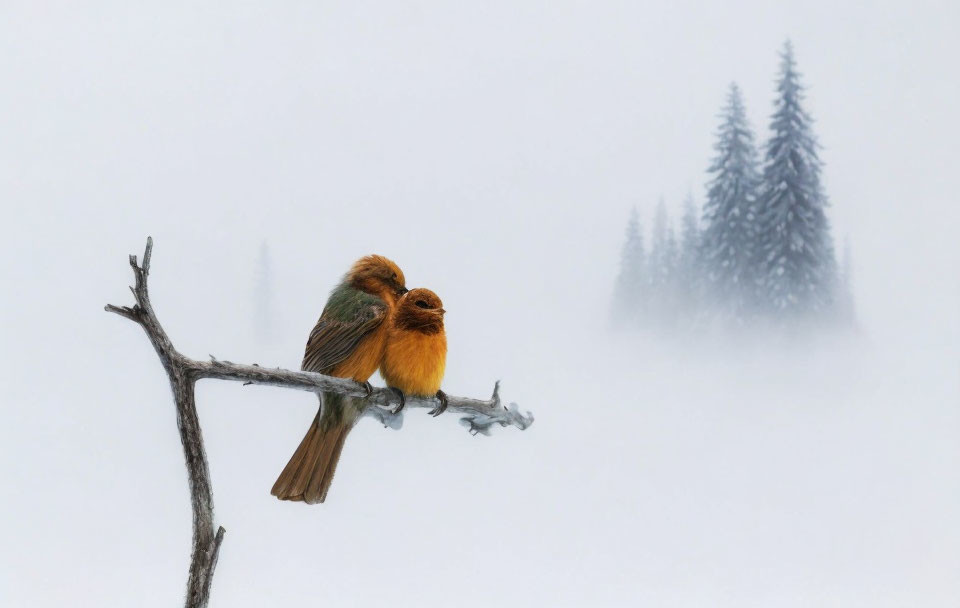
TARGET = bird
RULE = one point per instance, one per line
(416, 353)
(348, 341)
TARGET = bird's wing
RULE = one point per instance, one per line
(339, 331)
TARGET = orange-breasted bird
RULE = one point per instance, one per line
(348, 341)
(416, 354)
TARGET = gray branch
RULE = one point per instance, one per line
(479, 416)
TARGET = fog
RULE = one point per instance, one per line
(494, 152)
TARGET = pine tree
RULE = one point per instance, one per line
(659, 262)
(796, 251)
(662, 268)
(671, 257)
(728, 242)
(630, 288)
(689, 233)
(688, 267)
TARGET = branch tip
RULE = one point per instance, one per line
(123, 311)
(147, 251)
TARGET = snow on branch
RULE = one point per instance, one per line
(479, 416)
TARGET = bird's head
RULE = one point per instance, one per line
(421, 310)
(376, 275)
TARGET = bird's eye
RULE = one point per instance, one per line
(422, 304)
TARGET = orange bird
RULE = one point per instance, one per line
(416, 354)
(348, 341)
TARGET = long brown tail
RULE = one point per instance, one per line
(309, 473)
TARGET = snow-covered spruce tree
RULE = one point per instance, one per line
(689, 234)
(671, 296)
(659, 266)
(796, 251)
(662, 269)
(671, 256)
(630, 289)
(729, 238)
(688, 272)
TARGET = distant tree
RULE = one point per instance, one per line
(671, 255)
(796, 250)
(630, 288)
(689, 267)
(664, 257)
(659, 257)
(729, 239)
(673, 305)
(262, 314)
(689, 234)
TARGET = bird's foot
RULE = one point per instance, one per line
(401, 397)
(367, 389)
(442, 396)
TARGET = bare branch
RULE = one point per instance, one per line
(479, 416)
(123, 311)
(481, 413)
(147, 251)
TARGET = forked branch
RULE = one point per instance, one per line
(479, 416)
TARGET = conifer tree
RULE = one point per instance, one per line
(729, 238)
(671, 258)
(662, 268)
(688, 268)
(796, 250)
(630, 288)
(659, 255)
(689, 231)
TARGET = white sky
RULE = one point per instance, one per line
(493, 150)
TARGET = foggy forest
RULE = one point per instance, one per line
(764, 250)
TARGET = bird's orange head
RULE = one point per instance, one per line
(379, 276)
(420, 310)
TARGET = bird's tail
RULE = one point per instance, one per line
(308, 475)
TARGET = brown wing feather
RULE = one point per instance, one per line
(332, 341)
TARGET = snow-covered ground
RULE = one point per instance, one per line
(667, 475)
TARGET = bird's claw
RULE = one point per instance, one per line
(442, 396)
(367, 389)
(401, 397)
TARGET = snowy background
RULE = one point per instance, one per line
(493, 151)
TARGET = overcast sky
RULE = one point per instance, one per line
(494, 151)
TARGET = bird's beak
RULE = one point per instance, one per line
(401, 291)
(442, 311)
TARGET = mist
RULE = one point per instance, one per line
(494, 152)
